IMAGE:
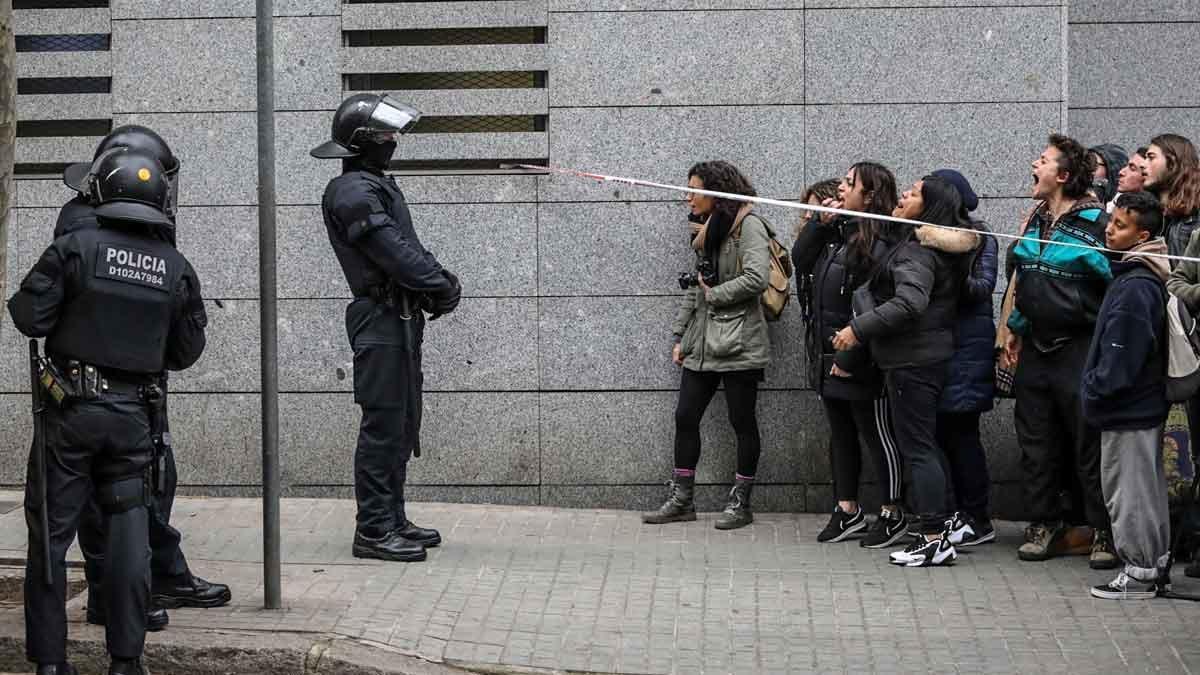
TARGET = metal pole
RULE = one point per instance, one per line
(268, 303)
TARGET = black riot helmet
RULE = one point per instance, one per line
(130, 185)
(363, 119)
(134, 137)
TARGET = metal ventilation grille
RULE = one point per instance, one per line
(59, 4)
(473, 165)
(481, 87)
(95, 42)
(33, 169)
(501, 79)
(62, 128)
(480, 124)
(430, 37)
(40, 86)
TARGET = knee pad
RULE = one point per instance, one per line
(123, 494)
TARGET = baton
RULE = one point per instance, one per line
(39, 459)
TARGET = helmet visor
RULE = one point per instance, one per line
(391, 115)
(172, 205)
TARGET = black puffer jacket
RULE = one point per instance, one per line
(916, 289)
(826, 276)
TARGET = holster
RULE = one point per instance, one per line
(61, 390)
(156, 405)
(397, 298)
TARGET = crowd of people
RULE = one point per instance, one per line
(905, 355)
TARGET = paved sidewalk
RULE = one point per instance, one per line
(598, 591)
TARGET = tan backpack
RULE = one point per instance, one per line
(776, 297)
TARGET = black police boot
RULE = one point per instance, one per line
(680, 504)
(424, 536)
(57, 669)
(127, 667)
(737, 513)
(390, 546)
(188, 590)
(156, 619)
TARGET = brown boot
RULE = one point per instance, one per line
(1076, 540)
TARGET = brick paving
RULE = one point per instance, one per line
(598, 591)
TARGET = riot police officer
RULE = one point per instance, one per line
(394, 279)
(173, 584)
(117, 305)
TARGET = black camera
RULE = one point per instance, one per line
(704, 270)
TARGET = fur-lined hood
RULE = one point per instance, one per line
(946, 240)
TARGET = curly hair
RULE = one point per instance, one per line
(721, 176)
(822, 190)
(1180, 192)
(1146, 207)
(1076, 162)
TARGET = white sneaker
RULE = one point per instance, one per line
(923, 553)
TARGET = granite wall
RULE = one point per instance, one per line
(552, 383)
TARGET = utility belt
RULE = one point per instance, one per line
(69, 380)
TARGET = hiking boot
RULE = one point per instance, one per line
(1125, 587)
(680, 505)
(737, 512)
(842, 525)
(1104, 554)
(390, 546)
(967, 531)
(886, 530)
(1040, 539)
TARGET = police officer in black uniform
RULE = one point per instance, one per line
(117, 305)
(394, 279)
(173, 584)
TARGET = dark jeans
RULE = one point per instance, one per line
(958, 437)
(90, 446)
(913, 394)
(852, 425)
(1054, 436)
(696, 390)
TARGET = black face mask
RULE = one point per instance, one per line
(378, 155)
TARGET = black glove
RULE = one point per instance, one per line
(446, 301)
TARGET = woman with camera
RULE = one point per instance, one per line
(720, 336)
(905, 314)
(833, 255)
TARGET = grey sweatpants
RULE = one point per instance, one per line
(1135, 492)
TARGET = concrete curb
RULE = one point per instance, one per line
(187, 651)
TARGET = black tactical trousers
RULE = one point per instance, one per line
(166, 557)
(1055, 438)
(93, 447)
(387, 386)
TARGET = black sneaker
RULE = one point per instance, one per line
(966, 531)
(842, 525)
(885, 531)
(924, 553)
(1125, 587)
